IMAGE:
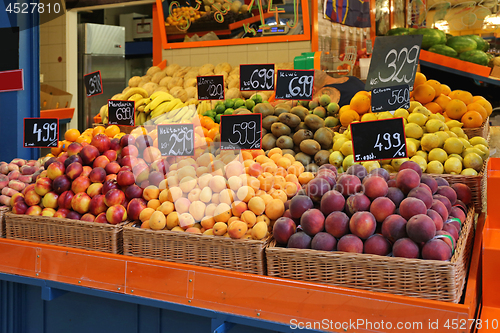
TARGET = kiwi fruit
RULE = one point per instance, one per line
(268, 122)
(312, 167)
(300, 111)
(321, 157)
(268, 141)
(289, 119)
(265, 108)
(284, 142)
(310, 147)
(324, 136)
(331, 121)
(302, 135)
(280, 129)
(288, 151)
(313, 122)
(281, 108)
(320, 112)
(302, 125)
(264, 131)
(296, 149)
(303, 158)
(242, 111)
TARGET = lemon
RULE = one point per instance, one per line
(453, 166)
(411, 148)
(405, 121)
(389, 168)
(413, 130)
(336, 158)
(339, 142)
(340, 170)
(435, 167)
(348, 161)
(434, 125)
(347, 134)
(465, 142)
(417, 118)
(422, 110)
(485, 151)
(369, 166)
(451, 134)
(422, 154)
(473, 161)
(401, 113)
(457, 156)
(445, 127)
(396, 162)
(385, 115)
(471, 150)
(453, 146)
(415, 141)
(437, 116)
(382, 162)
(346, 148)
(430, 141)
(454, 123)
(369, 116)
(468, 172)
(424, 129)
(457, 130)
(422, 163)
(336, 136)
(443, 136)
(478, 140)
(463, 136)
(437, 154)
(413, 105)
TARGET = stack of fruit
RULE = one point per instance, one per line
(410, 216)
(15, 177)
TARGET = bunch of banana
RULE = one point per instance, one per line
(177, 115)
(138, 95)
(203, 107)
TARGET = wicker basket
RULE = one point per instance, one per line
(3, 210)
(430, 279)
(242, 255)
(66, 232)
(483, 131)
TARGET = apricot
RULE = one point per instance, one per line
(238, 207)
(205, 159)
(222, 213)
(145, 225)
(305, 177)
(163, 196)
(290, 157)
(182, 205)
(254, 183)
(296, 169)
(193, 230)
(194, 194)
(284, 163)
(259, 230)
(273, 151)
(177, 228)
(291, 178)
(245, 193)
(275, 209)
(186, 162)
(257, 205)
(219, 228)
(157, 221)
(174, 193)
(186, 171)
(249, 218)
(258, 193)
(234, 183)
(228, 159)
(237, 230)
(172, 181)
(204, 180)
(226, 196)
(281, 172)
(270, 167)
(276, 157)
(261, 159)
(208, 232)
(155, 203)
(267, 198)
(280, 194)
(197, 210)
(205, 195)
(166, 208)
(187, 184)
(232, 219)
(186, 221)
(215, 198)
(146, 214)
(172, 220)
(266, 181)
(263, 218)
(234, 168)
(207, 222)
(248, 163)
(209, 211)
(217, 184)
(151, 192)
(290, 189)
(201, 171)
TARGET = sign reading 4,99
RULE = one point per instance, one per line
(394, 61)
(41, 132)
(378, 140)
(241, 131)
(257, 77)
(295, 84)
(121, 112)
(210, 87)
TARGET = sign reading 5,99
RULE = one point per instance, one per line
(295, 84)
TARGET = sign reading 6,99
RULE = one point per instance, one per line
(295, 84)
(257, 77)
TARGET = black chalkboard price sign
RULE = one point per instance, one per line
(378, 140)
(241, 131)
(41, 132)
(394, 61)
(210, 87)
(121, 112)
(257, 77)
(295, 84)
(390, 98)
(176, 139)
(93, 83)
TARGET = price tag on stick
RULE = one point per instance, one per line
(210, 87)
(41, 132)
(394, 61)
(93, 83)
(295, 84)
(241, 131)
(378, 140)
(121, 112)
(176, 139)
(390, 98)
(257, 77)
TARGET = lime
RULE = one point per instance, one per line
(257, 98)
(229, 103)
(229, 111)
(249, 103)
(238, 102)
(220, 108)
(217, 118)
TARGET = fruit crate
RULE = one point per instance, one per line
(482, 131)
(66, 232)
(429, 279)
(3, 210)
(242, 255)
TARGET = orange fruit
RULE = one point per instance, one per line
(348, 117)
(477, 97)
(57, 150)
(436, 85)
(424, 93)
(83, 138)
(345, 107)
(98, 130)
(419, 79)
(446, 118)
(442, 100)
(456, 109)
(472, 119)
(206, 122)
(212, 132)
(360, 103)
(205, 131)
(462, 95)
(474, 106)
(72, 134)
(246, 155)
(208, 140)
(445, 90)
(434, 107)
(66, 143)
(112, 130)
(486, 105)
(364, 92)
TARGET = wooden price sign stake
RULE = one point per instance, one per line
(176, 139)
(241, 131)
(394, 61)
(257, 77)
(93, 83)
(390, 98)
(121, 112)
(378, 140)
(295, 84)
(210, 87)
(41, 132)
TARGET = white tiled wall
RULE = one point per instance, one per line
(53, 46)
(237, 54)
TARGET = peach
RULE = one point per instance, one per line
(55, 169)
(444, 200)
(451, 229)
(100, 162)
(357, 203)
(88, 217)
(381, 208)
(438, 220)
(350, 243)
(94, 189)
(436, 249)
(448, 192)
(440, 207)
(405, 248)
(299, 240)
(49, 212)
(43, 186)
(420, 228)
(375, 187)
(394, 227)
(86, 171)
(377, 244)
(81, 202)
(331, 201)
(257, 205)
(312, 221)
(463, 192)
(412, 206)
(300, 204)
(49, 200)
(97, 205)
(347, 185)
(324, 242)
(358, 171)
(97, 175)
(62, 212)
(133, 191)
(34, 210)
(396, 195)
(337, 224)
(20, 207)
(363, 224)
(407, 179)
(116, 214)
